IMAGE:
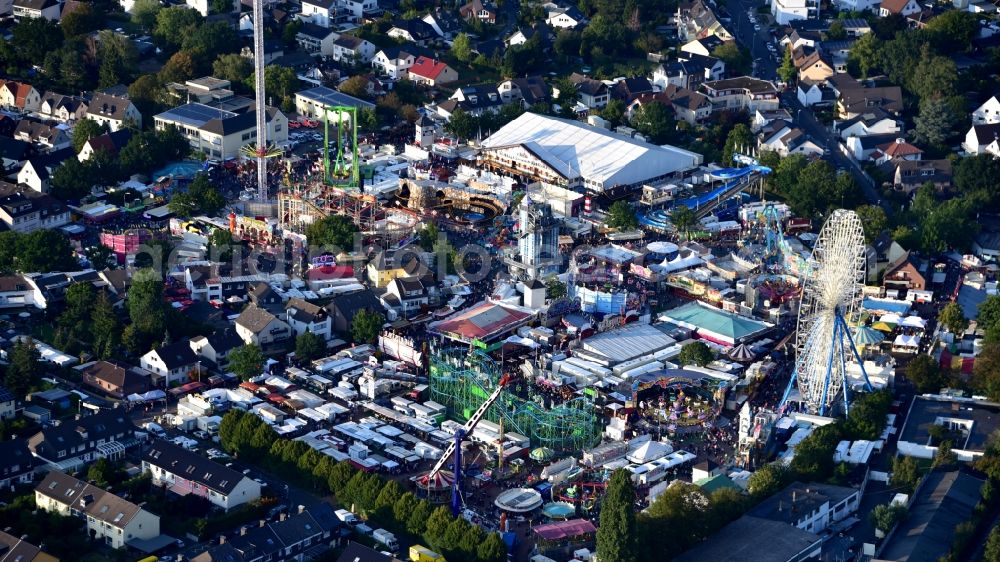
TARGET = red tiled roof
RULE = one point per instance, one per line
(899, 147)
(427, 68)
(483, 320)
(330, 272)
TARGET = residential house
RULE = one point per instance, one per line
(858, 6)
(291, 537)
(357, 552)
(762, 118)
(214, 349)
(171, 364)
(8, 403)
(35, 9)
(320, 12)
(883, 251)
(529, 90)
(814, 66)
(344, 307)
(187, 472)
(475, 99)
(110, 519)
(697, 19)
(901, 7)
(62, 108)
(630, 88)
(414, 30)
(114, 378)
(903, 275)
(799, 39)
(219, 133)
(982, 139)
(909, 175)
(812, 507)
(49, 136)
(113, 111)
(274, 49)
(351, 49)
(19, 291)
(785, 139)
(478, 10)
(316, 39)
(745, 92)
(594, 94)
(855, 99)
(73, 443)
(393, 62)
(357, 10)
(19, 96)
(857, 27)
(687, 105)
(874, 122)
(258, 326)
(787, 11)
(898, 149)
(988, 113)
(305, 317)
(444, 23)
(25, 210)
(688, 73)
(17, 549)
(838, 52)
(703, 46)
(17, 466)
(386, 266)
(522, 35)
(431, 72)
(408, 296)
(565, 18)
(864, 148)
(13, 151)
(264, 296)
(110, 143)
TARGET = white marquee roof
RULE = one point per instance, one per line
(576, 149)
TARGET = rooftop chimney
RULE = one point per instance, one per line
(263, 522)
(302, 509)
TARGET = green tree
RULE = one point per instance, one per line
(144, 13)
(183, 205)
(953, 318)
(787, 71)
(814, 455)
(936, 122)
(992, 551)
(735, 57)
(493, 549)
(428, 236)
(403, 508)
(45, 251)
(246, 361)
(80, 21)
(656, 123)
(768, 480)
(986, 372)
(206, 196)
(740, 138)
(309, 346)
(614, 112)
(924, 372)
(988, 317)
(335, 231)
(953, 31)
(416, 523)
(174, 25)
(23, 368)
(72, 180)
(461, 124)
(863, 56)
(836, 31)
(873, 220)
(340, 475)
(179, 68)
(356, 86)
(695, 353)
(233, 67)
(33, 38)
(905, 473)
(366, 326)
(886, 516)
(290, 32)
(101, 473)
(146, 310)
(119, 59)
(944, 456)
(948, 226)
(84, 130)
(437, 526)
(461, 47)
(622, 216)
(616, 535)
(554, 289)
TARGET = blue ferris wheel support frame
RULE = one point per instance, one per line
(840, 329)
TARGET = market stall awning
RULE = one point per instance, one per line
(867, 336)
(565, 529)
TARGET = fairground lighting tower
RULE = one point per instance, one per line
(262, 151)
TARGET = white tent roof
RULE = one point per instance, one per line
(914, 322)
(575, 150)
(678, 263)
(649, 451)
(906, 341)
(890, 318)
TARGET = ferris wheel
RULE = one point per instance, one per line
(830, 306)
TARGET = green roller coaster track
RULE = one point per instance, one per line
(461, 380)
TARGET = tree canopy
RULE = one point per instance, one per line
(622, 216)
(336, 231)
(246, 361)
(616, 535)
